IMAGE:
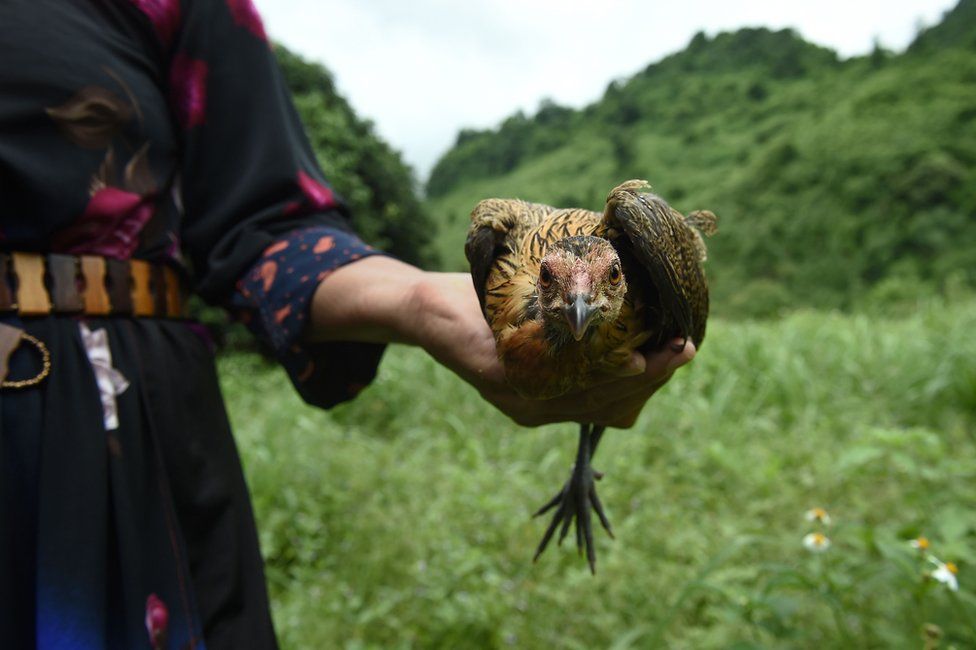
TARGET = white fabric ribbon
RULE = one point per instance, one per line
(110, 381)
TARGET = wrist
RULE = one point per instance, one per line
(426, 312)
(447, 322)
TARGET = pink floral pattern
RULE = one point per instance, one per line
(157, 621)
(246, 15)
(188, 86)
(110, 225)
(164, 15)
(318, 194)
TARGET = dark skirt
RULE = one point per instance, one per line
(138, 537)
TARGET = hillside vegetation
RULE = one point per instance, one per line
(836, 182)
(363, 168)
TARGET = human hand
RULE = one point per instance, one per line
(449, 324)
(382, 300)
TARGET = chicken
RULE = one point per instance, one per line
(569, 294)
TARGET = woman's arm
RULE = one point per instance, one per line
(379, 299)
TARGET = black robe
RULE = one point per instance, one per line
(157, 130)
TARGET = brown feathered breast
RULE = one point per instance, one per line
(660, 251)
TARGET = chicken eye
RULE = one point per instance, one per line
(615, 275)
(545, 277)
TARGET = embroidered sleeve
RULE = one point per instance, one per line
(261, 225)
(274, 296)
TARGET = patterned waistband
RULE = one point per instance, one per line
(35, 284)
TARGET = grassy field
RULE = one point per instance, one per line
(403, 519)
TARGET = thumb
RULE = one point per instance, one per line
(682, 354)
(662, 363)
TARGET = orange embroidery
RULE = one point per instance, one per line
(324, 244)
(275, 248)
(267, 273)
(282, 314)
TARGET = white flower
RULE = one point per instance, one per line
(920, 543)
(819, 515)
(946, 574)
(816, 542)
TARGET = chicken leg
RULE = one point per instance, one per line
(576, 498)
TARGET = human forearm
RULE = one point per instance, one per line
(382, 300)
(369, 300)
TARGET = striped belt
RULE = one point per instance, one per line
(34, 284)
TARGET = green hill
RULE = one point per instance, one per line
(954, 31)
(836, 182)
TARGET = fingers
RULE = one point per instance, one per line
(617, 402)
(653, 365)
(666, 361)
(658, 368)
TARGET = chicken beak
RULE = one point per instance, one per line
(579, 314)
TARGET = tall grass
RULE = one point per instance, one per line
(403, 519)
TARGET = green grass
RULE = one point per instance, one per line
(403, 518)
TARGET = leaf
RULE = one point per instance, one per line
(629, 639)
(133, 102)
(955, 523)
(858, 457)
(92, 117)
(105, 175)
(110, 225)
(138, 176)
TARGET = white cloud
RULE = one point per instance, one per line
(422, 70)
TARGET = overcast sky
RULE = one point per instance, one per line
(424, 69)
